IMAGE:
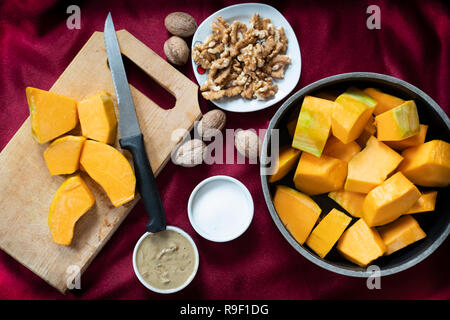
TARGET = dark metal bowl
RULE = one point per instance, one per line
(435, 224)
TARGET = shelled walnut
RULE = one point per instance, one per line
(242, 60)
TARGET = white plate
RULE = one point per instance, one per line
(243, 13)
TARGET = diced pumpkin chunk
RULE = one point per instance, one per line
(297, 211)
(97, 118)
(390, 200)
(327, 232)
(428, 164)
(110, 169)
(410, 142)
(72, 199)
(313, 125)
(353, 110)
(399, 123)
(369, 130)
(401, 233)
(385, 102)
(352, 202)
(425, 203)
(51, 114)
(337, 149)
(62, 156)
(371, 166)
(319, 175)
(287, 160)
(361, 244)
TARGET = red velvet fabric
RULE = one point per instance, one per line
(412, 44)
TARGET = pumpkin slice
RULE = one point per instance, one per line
(352, 202)
(337, 149)
(351, 114)
(385, 102)
(110, 169)
(72, 199)
(97, 118)
(371, 166)
(428, 164)
(297, 211)
(287, 160)
(62, 156)
(425, 203)
(410, 142)
(401, 233)
(361, 244)
(51, 114)
(389, 200)
(327, 232)
(319, 175)
(399, 123)
(313, 125)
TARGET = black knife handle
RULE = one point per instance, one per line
(146, 183)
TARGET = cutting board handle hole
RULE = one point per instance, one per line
(143, 82)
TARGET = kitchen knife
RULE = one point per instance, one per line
(131, 135)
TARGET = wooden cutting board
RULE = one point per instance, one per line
(27, 189)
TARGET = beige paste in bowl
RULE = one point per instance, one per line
(165, 260)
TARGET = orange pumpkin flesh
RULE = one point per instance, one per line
(62, 156)
(51, 114)
(72, 199)
(110, 169)
(297, 211)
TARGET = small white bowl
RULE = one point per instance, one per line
(188, 281)
(220, 208)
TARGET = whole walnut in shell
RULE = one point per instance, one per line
(247, 143)
(180, 24)
(211, 123)
(190, 153)
(176, 50)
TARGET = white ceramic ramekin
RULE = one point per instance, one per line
(227, 195)
(167, 291)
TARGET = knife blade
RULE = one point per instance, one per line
(131, 135)
(128, 123)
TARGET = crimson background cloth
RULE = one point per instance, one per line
(413, 45)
